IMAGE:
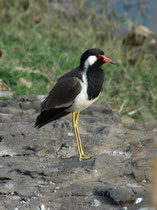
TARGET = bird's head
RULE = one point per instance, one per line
(94, 57)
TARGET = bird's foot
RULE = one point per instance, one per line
(83, 157)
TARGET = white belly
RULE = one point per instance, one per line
(81, 102)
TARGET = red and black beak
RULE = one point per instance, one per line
(105, 59)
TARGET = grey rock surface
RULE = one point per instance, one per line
(40, 169)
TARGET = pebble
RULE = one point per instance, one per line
(40, 169)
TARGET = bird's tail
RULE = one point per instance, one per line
(49, 115)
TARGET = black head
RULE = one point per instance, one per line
(93, 57)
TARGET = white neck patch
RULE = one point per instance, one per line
(90, 61)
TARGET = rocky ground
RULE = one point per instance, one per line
(40, 170)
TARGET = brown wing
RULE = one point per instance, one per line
(76, 72)
(62, 94)
(60, 98)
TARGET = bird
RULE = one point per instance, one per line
(75, 91)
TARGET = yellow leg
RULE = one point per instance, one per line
(78, 140)
(74, 126)
(81, 149)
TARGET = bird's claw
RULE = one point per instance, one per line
(83, 157)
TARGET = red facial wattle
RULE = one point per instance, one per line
(105, 59)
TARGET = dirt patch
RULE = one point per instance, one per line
(40, 169)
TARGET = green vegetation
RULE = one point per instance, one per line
(39, 42)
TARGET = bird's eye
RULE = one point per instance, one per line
(98, 56)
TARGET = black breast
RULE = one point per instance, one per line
(95, 77)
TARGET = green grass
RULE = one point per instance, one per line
(51, 41)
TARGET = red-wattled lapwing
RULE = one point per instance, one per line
(75, 91)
